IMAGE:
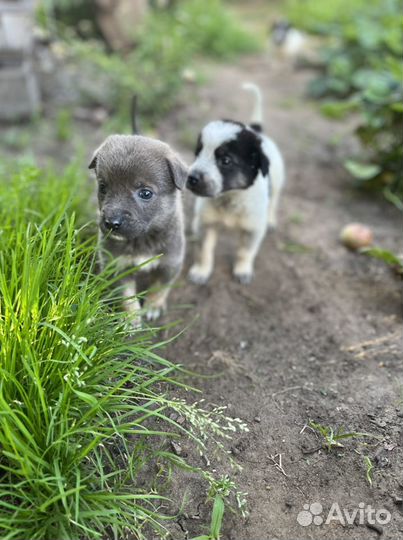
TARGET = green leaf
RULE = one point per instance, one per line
(338, 109)
(398, 107)
(86, 397)
(217, 517)
(362, 171)
(384, 255)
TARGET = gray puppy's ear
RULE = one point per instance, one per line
(178, 171)
(94, 159)
(93, 162)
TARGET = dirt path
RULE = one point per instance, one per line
(280, 344)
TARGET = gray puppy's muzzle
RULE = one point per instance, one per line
(113, 220)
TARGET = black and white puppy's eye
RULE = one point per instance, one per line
(102, 188)
(225, 160)
(145, 194)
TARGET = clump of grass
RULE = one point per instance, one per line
(84, 403)
(332, 438)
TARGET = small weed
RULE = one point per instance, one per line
(295, 247)
(331, 438)
(217, 516)
(391, 259)
(369, 469)
(219, 491)
(297, 219)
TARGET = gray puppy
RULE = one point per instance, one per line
(141, 215)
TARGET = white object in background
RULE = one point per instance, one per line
(294, 43)
(16, 23)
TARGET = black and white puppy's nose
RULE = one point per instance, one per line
(113, 223)
(193, 179)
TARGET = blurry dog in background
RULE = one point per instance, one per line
(237, 176)
(141, 215)
(290, 41)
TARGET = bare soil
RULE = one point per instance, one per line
(316, 335)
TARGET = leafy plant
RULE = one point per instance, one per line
(216, 521)
(361, 73)
(167, 43)
(369, 469)
(220, 489)
(85, 403)
(332, 438)
(385, 255)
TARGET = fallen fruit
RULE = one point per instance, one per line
(356, 236)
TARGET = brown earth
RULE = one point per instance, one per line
(316, 335)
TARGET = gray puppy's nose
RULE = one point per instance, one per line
(113, 223)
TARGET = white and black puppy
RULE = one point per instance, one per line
(141, 216)
(238, 175)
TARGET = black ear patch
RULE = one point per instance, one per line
(241, 159)
(256, 127)
(199, 145)
(264, 163)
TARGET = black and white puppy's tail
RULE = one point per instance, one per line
(256, 122)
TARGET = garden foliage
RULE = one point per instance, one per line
(361, 73)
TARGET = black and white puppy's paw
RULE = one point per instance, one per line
(199, 275)
(244, 278)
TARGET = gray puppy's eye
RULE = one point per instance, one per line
(102, 188)
(225, 160)
(145, 194)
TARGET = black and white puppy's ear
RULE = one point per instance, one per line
(264, 163)
(199, 145)
(178, 170)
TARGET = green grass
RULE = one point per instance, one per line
(332, 438)
(369, 470)
(85, 405)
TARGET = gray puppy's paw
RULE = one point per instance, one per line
(199, 275)
(155, 306)
(153, 313)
